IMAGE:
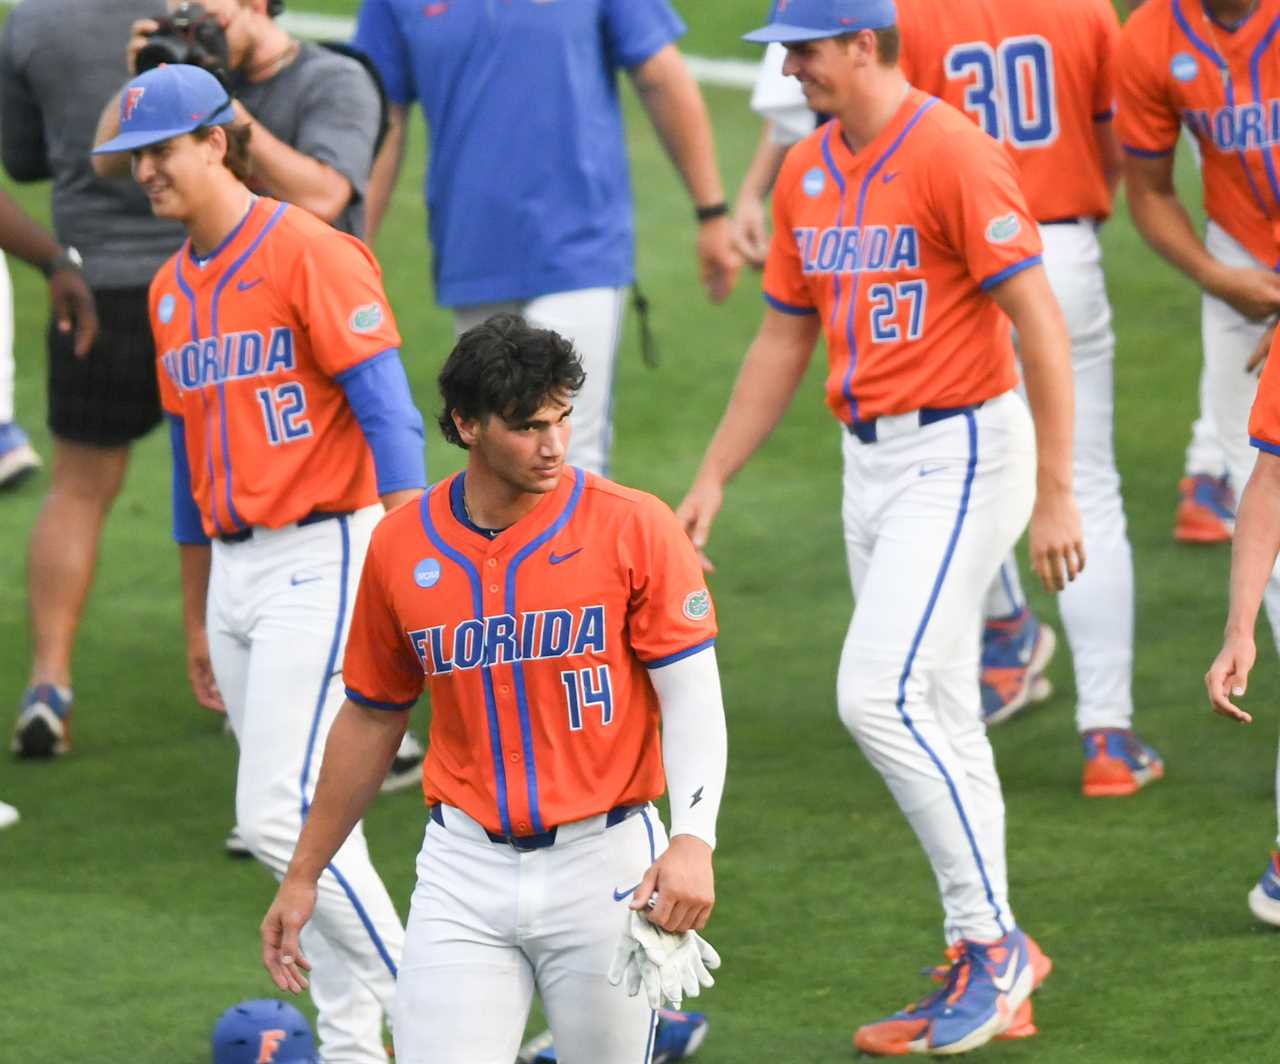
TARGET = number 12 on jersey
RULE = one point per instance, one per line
(283, 411)
(1011, 92)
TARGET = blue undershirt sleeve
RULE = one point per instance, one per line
(187, 527)
(378, 392)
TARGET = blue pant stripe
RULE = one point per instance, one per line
(911, 655)
(364, 919)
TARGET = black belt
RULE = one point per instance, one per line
(1075, 220)
(543, 839)
(866, 430)
(313, 518)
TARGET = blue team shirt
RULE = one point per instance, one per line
(528, 190)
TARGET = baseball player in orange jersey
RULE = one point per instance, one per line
(289, 412)
(1210, 67)
(1037, 75)
(909, 269)
(556, 618)
(1253, 561)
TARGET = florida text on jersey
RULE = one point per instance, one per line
(253, 342)
(534, 645)
(897, 253)
(1178, 68)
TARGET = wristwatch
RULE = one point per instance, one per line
(66, 259)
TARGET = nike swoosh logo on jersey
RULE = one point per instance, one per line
(890, 175)
(618, 895)
(303, 578)
(244, 286)
(556, 559)
(926, 471)
(1004, 983)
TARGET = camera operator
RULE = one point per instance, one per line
(314, 113)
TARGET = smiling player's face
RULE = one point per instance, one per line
(824, 70)
(527, 456)
(172, 174)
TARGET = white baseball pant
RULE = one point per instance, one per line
(591, 318)
(929, 512)
(1097, 607)
(278, 613)
(6, 343)
(489, 924)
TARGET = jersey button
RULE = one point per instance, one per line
(515, 758)
(522, 826)
(493, 562)
(493, 588)
(505, 689)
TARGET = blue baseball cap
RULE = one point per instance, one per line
(166, 102)
(791, 21)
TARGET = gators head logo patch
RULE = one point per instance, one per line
(1003, 229)
(697, 604)
(366, 318)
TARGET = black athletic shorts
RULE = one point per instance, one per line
(109, 398)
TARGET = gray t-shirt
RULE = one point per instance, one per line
(60, 61)
(324, 105)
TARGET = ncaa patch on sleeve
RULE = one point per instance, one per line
(366, 318)
(1003, 229)
(697, 604)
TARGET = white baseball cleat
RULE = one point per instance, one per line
(8, 815)
(406, 767)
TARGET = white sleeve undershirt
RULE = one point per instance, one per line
(695, 747)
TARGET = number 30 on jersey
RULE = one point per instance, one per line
(1010, 91)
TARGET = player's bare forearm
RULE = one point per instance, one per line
(1254, 547)
(1111, 153)
(1056, 537)
(751, 235)
(1163, 221)
(679, 114)
(385, 172)
(1255, 543)
(293, 176)
(771, 372)
(116, 163)
(194, 560)
(357, 754)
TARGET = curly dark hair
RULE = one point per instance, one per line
(506, 367)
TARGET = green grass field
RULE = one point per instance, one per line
(124, 931)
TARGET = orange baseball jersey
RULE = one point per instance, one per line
(534, 644)
(1264, 418)
(249, 342)
(897, 247)
(1037, 75)
(1178, 67)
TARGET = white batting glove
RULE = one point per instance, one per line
(668, 966)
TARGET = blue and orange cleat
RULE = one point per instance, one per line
(1015, 652)
(1206, 510)
(1264, 899)
(985, 989)
(1023, 1024)
(44, 722)
(1117, 763)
